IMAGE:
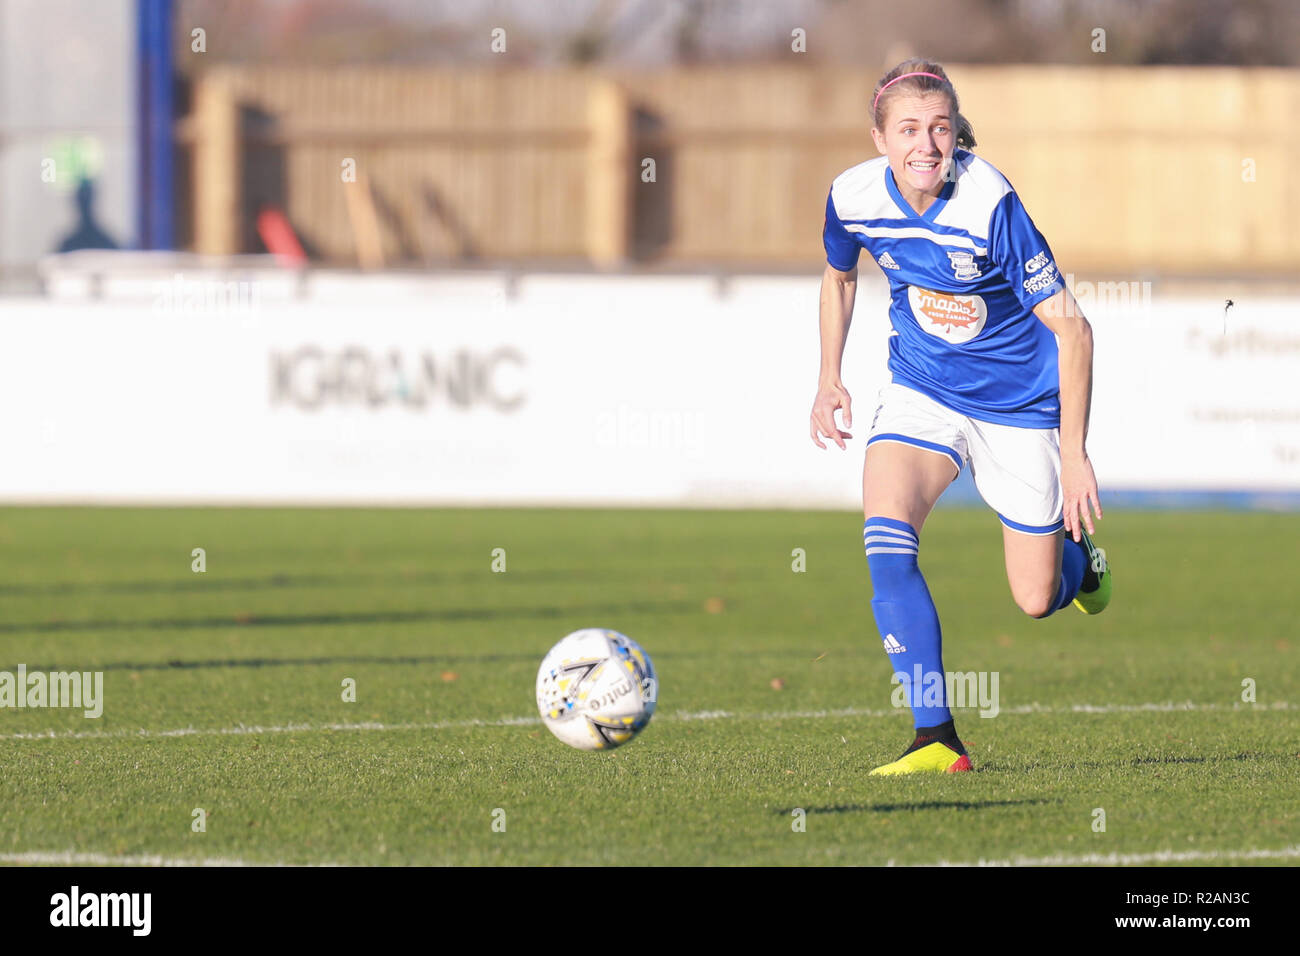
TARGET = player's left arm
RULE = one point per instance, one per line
(1061, 314)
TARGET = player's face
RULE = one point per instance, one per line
(918, 137)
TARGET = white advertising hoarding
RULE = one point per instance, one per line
(556, 389)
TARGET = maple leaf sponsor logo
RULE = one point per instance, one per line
(953, 318)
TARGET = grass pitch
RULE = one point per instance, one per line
(223, 691)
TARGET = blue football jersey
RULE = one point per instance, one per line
(963, 279)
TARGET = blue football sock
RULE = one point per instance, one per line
(906, 616)
(1074, 561)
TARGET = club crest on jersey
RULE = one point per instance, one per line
(953, 318)
(963, 265)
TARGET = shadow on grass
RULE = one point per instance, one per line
(923, 805)
(199, 583)
(370, 617)
(256, 662)
(1157, 761)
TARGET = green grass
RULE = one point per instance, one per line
(444, 653)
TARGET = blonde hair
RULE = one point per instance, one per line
(917, 85)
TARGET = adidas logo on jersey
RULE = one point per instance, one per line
(892, 646)
(886, 261)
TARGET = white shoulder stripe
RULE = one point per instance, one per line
(916, 232)
(859, 192)
(978, 190)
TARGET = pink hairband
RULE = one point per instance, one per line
(895, 80)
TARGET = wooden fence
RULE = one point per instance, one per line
(1125, 170)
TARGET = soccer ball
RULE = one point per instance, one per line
(596, 689)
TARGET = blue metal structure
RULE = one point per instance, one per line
(154, 221)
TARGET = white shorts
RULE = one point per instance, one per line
(1017, 470)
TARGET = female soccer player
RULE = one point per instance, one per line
(978, 308)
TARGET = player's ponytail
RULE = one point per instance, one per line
(915, 76)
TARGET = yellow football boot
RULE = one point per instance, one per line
(1094, 592)
(933, 757)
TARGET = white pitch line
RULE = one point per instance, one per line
(247, 729)
(69, 858)
(1125, 859)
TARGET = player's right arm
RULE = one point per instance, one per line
(839, 288)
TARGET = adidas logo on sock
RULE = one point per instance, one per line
(892, 646)
(887, 261)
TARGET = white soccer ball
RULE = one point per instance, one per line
(596, 689)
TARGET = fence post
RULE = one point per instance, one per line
(609, 173)
(217, 228)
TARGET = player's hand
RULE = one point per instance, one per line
(830, 396)
(1079, 489)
